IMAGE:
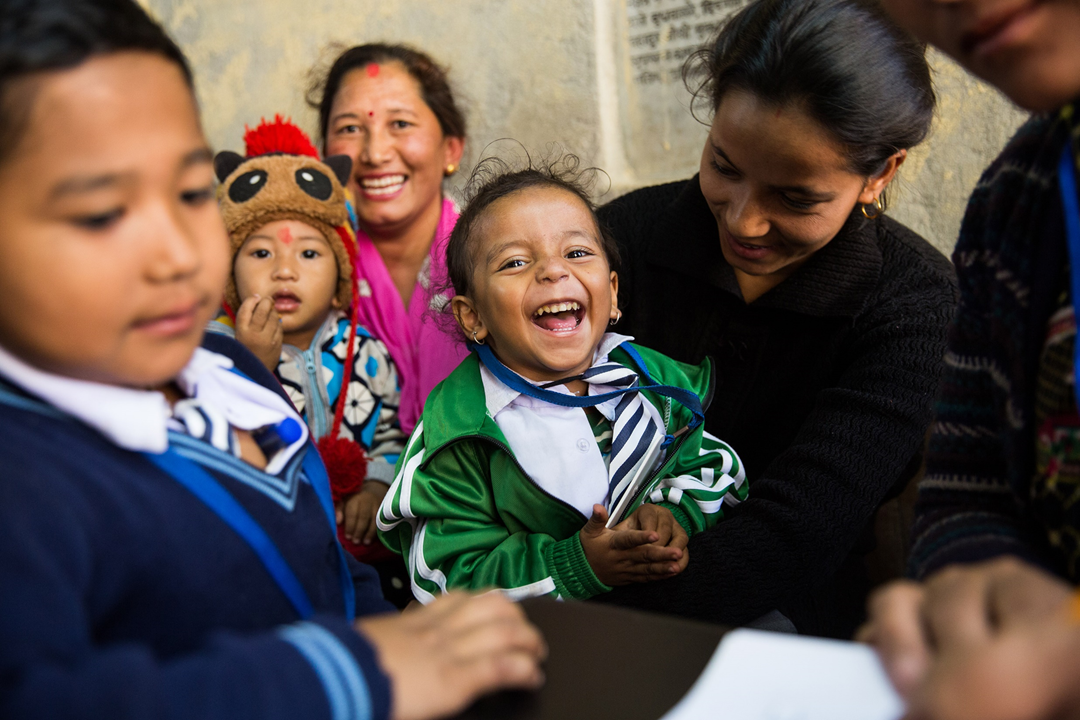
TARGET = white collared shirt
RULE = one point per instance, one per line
(139, 420)
(555, 445)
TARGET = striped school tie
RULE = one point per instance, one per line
(632, 428)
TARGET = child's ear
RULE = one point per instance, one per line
(615, 313)
(468, 319)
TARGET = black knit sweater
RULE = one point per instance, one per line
(825, 389)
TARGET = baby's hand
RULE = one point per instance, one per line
(624, 556)
(359, 510)
(659, 520)
(258, 328)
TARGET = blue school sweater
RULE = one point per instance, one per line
(123, 596)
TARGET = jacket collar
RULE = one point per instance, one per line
(457, 408)
(836, 281)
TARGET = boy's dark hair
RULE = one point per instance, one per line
(432, 78)
(494, 179)
(853, 70)
(42, 35)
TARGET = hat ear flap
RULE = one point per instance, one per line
(225, 162)
(341, 165)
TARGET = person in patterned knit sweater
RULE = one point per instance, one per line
(293, 286)
(991, 628)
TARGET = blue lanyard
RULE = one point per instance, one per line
(1067, 184)
(203, 486)
(514, 381)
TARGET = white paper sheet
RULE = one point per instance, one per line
(756, 675)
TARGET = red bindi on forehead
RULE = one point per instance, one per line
(285, 235)
(373, 70)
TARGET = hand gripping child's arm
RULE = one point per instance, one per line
(707, 473)
(441, 513)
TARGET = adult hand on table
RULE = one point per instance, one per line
(995, 641)
(620, 556)
(443, 656)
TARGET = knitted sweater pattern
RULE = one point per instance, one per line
(974, 502)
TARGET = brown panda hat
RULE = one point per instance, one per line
(282, 178)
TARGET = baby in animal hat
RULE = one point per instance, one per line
(291, 300)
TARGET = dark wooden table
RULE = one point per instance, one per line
(606, 662)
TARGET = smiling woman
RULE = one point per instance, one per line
(390, 109)
(825, 317)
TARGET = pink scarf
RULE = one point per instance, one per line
(424, 351)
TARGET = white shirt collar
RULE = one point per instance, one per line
(138, 419)
(498, 395)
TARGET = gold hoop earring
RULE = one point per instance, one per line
(450, 169)
(879, 208)
(478, 342)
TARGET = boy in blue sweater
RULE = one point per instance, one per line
(166, 536)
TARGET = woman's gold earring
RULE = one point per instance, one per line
(879, 207)
(450, 169)
(478, 342)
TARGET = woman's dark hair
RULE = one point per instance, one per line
(42, 35)
(434, 85)
(854, 71)
(494, 179)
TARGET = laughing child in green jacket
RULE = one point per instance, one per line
(552, 425)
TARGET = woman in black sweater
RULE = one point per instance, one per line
(827, 320)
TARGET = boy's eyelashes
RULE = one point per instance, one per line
(198, 196)
(97, 222)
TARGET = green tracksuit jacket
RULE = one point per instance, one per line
(465, 514)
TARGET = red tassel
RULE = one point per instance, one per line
(345, 463)
(279, 136)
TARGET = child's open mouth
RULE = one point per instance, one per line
(559, 317)
(285, 301)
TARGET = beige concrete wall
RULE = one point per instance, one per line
(524, 70)
(577, 72)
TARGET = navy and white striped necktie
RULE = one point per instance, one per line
(632, 426)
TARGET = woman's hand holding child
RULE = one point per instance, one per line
(621, 555)
(357, 512)
(258, 328)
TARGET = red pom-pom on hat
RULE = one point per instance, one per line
(345, 463)
(280, 136)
